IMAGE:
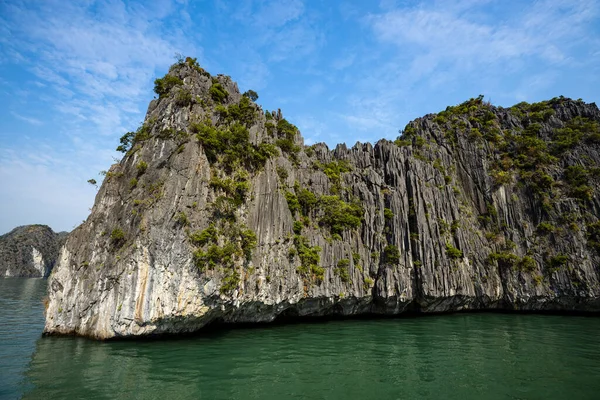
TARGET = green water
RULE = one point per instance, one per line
(463, 356)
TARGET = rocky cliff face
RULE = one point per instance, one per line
(29, 251)
(218, 212)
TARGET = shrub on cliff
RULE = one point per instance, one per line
(242, 112)
(286, 133)
(292, 201)
(339, 215)
(231, 145)
(162, 86)
(117, 237)
(452, 252)
(217, 92)
(391, 254)
(141, 167)
(307, 199)
(310, 257)
(183, 98)
(342, 270)
(593, 235)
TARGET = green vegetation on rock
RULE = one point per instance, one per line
(334, 171)
(391, 254)
(163, 86)
(117, 237)
(286, 135)
(251, 94)
(310, 258)
(231, 146)
(452, 252)
(338, 215)
(217, 92)
(342, 270)
(237, 244)
(131, 138)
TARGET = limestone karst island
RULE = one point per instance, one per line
(219, 214)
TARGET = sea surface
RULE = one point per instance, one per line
(460, 356)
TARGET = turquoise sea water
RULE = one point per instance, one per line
(461, 356)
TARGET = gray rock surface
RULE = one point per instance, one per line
(29, 251)
(474, 208)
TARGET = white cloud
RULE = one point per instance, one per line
(547, 30)
(295, 42)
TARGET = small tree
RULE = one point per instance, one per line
(179, 58)
(251, 94)
(126, 141)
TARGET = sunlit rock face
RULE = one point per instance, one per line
(29, 251)
(219, 213)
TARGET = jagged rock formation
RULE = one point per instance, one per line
(29, 251)
(218, 212)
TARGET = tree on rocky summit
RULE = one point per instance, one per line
(251, 94)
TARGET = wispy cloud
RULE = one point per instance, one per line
(95, 62)
(29, 120)
(276, 14)
(548, 30)
(314, 130)
(281, 29)
(107, 54)
(448, 45)
(344, 61)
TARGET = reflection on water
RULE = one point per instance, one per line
(452, 357)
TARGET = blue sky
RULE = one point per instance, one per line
(76, 75)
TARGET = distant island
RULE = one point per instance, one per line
(30, 251)
(218, 213)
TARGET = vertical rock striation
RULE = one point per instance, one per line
(218, 212)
